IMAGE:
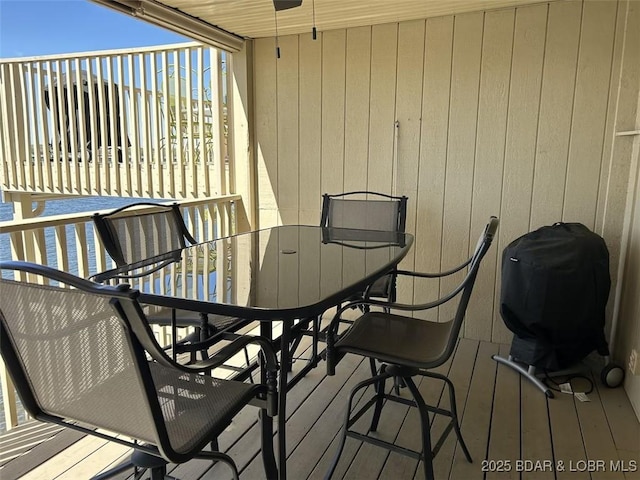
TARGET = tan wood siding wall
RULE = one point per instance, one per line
(508, 112)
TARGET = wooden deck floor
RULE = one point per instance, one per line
(504, 420)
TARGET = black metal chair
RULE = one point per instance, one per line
(153, 240)
(350, 212)
(82, 355)
(407, 347)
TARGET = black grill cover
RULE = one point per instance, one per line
(555, 286)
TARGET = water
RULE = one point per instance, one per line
(59, 207)
(54, 207)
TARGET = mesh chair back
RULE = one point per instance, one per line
(77, 357)
(364, 211)
(138, 236)
(78, 354)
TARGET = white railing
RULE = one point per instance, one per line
(69, 243)
(147, 122)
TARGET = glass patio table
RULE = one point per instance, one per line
(289, 274)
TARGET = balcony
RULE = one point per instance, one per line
(528, 111)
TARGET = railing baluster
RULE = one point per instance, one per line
(179, 185)
(16, 163)
(168, 133)
(105, 132)
(83, 168)
(145, 159)
(192, 151)
(22, 107)
(8, 398)
(115, 155)
(62, 248)
(123, 134)
(43, 131)
(72, 127)
(92, 150)
(157, 117)
(134, 154)
(62, 130)
(201, 181)
(5, 145)
(82, 251)
(35, 167)
(216, 124)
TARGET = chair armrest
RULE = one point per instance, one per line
(100, 277)
(268, 354)
(228, 351)
(332, 330)
(224, 354)
(408, 273)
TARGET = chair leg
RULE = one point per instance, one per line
(347, 419)
(223, 458)
(398, 383)
(379, 387)
(427, 457)
(454, 419)
(159, 473)
(268, 455)
(373, 366)
(246, 359)
(204, 333)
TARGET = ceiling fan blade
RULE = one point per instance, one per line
(286, 4)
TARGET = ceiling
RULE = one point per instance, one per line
(256, 18)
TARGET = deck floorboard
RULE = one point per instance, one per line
(503, 417)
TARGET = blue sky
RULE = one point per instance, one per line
(43, 27)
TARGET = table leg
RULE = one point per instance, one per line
(285, 338)
(266, 422)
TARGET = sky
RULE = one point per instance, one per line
(44, 27)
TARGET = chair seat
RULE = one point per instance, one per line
(196, 407)
(397, 339)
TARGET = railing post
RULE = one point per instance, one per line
(240, 148)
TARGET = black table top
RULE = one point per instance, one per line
(278, 273)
